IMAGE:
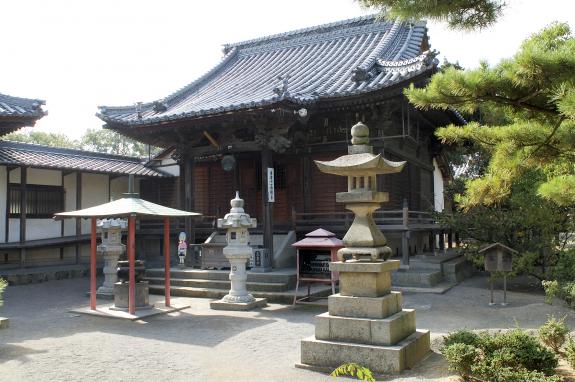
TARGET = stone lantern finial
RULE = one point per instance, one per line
(237, 204)
(359, 134)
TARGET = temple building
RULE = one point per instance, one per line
(280, 102)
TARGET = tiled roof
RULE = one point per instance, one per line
(20, 107)
(25, 154)
(305, 66)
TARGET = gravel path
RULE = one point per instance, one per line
(47, 343)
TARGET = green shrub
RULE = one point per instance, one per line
(567, 293)
(564, 270)
(3, 285)
(461, 357)
(570, 352)
(496, 373)
(462, 337)
(551, 288)
(514, 354)
(554, 333)
(527, 352)
(353, 369)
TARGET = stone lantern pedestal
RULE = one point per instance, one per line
(238, 252)
(110, 249)
(365, 323)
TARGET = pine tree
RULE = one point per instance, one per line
(459, 14)
(533, 95)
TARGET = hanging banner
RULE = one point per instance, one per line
(271, 185)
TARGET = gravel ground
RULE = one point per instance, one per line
(47, 343)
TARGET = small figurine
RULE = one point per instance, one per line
(182, 249)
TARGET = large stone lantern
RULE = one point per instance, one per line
(111, 249)
(365, 322)
(238, 252)
(361, 168)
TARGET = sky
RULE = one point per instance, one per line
(78, 55)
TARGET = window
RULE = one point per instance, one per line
(41, 201)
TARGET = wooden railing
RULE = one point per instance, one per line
(390, 220)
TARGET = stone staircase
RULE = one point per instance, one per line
(435, 273)
(277, 286)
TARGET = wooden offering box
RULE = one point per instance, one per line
(314, 253)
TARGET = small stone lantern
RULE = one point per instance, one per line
(111, 249)
(238, 252)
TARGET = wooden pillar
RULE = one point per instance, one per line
(405, 235)
(167, 260)
(131, 261)
(188, 195)
(267, 207)
(93, 230)
(442, 240)
(62, 221)
(306, 180)
(78, 220)
(23, 204)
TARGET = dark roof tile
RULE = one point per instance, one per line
(25, 154)
(327, 61)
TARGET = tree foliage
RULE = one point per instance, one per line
(108, 141)
(100, 140)
(459, 14)
(42, 138)
(533, 96)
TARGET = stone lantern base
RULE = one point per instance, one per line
(224, 305)
(365, 324)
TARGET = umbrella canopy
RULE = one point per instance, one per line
(128, 206)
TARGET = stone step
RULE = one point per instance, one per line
(284, 276)
(320, 354)
(458, 269)
(418, 264)
(380, 331)
(416, 278)
(220, 284)
(285, 297)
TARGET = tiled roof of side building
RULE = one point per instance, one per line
(39, 156)
(20, 107)
(305, 66)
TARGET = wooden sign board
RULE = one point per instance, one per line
(498, 261)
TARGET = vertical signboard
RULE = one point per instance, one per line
(271, 188)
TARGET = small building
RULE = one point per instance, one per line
(285, 100)
(37, 181)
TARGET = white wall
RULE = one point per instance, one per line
(94, 192)
(70, 203)
(171, 166)
(439, 201)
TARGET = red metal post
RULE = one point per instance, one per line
(93, 264)
(131, 260)
(167, 259)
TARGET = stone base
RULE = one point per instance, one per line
(381, 331)
(379, 359)
(222, 305)
(121, 291)
(4, 323)
(365, 307)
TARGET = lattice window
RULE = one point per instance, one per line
(41, 201)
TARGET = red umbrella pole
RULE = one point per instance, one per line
(131, 260)
(93, 264)
(167, 259)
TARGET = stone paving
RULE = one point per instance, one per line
(47, 343)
